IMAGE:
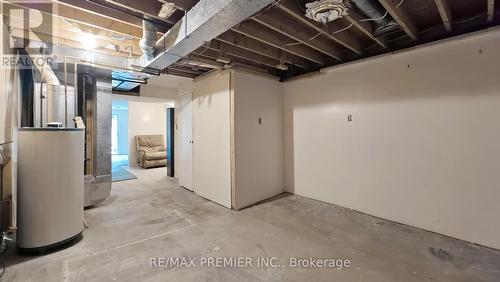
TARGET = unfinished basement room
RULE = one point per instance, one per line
(250, 140)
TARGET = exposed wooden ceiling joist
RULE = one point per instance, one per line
(108, 10)
(148, 8)
(70, 39)
(185, 70)
(66, 32)
(252, 45)
(244, 54)
(184, 5)
(285, 26)
(280, 33)
(88, 18)
(227, 49)
(399, 14)
(491, 10)
(208, 62)
(192, 66)
(444, 11)
(345, 39)
(255, 31)
(355, 19)
(90, 7)
(235, 60)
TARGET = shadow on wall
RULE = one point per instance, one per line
(416, 74)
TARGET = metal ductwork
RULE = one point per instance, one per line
(148, 39)
(205, 21)
(149, 30)
(373, 10)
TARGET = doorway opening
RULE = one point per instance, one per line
(119, 141)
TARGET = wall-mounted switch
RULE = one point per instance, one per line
(349, 118)
(260, 120)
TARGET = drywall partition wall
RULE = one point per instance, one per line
(144, 118)
(258, 136)
(423, 145)
(158, 91)
(211, 136)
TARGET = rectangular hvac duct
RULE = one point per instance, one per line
(205, 21)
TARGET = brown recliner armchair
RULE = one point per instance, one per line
(151, 151)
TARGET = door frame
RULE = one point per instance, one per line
(181, 143)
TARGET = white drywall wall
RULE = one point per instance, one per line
(211, 136)
(424, 144)
(159, 91)
(259, 171)
(164, 86)
(145, 118)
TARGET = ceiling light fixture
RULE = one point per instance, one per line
(326, 10)
(88, 40)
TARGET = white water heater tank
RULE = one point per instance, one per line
(50, 186)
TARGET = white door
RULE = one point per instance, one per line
(186, 159)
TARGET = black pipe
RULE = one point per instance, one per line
(27, 92)
(131, 80)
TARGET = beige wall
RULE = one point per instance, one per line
(259, 171)
(211, 136)
(424, 144)
(159, 91)
(233, 101)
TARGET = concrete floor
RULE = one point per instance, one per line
(152, 217)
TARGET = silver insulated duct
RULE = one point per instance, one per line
(148, 40)
(377, 14)
(149, 30)
(205, 21)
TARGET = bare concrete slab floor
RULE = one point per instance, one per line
(152, 217)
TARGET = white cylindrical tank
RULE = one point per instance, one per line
(50, 186)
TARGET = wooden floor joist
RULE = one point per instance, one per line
(355, 19)
(277, 34)
(284, 26)
(264, 35)
(344, 39)
(396, 10)
(491, 10)
(444, 11)
(252, 45)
